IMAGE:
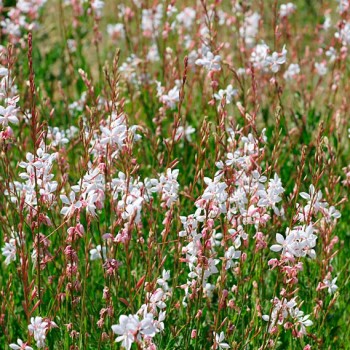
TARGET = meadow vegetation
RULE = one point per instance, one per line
(174, 174)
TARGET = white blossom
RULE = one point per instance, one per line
(20, 346)
(287, 9)
(210, 62)
(9, 251)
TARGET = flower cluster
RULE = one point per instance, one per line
(22, 17)
(262, 60)
(282, 311)
(201, 150)
(299, 242)
(38, 328)
(142, 327)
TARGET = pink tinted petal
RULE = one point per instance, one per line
(276, 248)
(304, 195)
(279, 238)
(78, 205)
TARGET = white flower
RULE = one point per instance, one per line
(9, 251)
(327, 22)
(3, 71)
(184, 133)
(281, 310)
(172, 98)
(219, 341)
(321, 68)
(215, 189)
(168, 186)
(332, 287)
(20, 346)
(8, 115)
(231, 254)
(301, 319)
(287, 9)
(162, 282)
(299, 242)
(151, 20)
(210, 62)
(333, 213)
(58, 137)
(156, 299)
(283, 244)
(208, 290)
(259, 55)
(98, 253)
(72, 205)
(272, 196)
(228, 93)
(332, 54)
(274, 61)
(38, 175)
(125, 329)
(114, 135)
(116, 30)
(97, 6)
(292, 71)
(343, 6)
(130, 328)
(38, 328)
(344, 34)
(249, 30)
(186, 17)
(159, 323)
(153, 54)
(314, 199)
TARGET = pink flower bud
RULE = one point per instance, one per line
(199, 314)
